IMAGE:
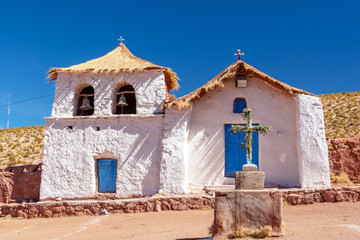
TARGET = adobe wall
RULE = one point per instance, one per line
(345, 157)
(69, 159)
(278, 150)
(174, 160)
(149, 91)
(20, 183)
(72, 144)
(314, 161)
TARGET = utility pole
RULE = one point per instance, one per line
(8, 121)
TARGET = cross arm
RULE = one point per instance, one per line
(261, 129)
(237, 128)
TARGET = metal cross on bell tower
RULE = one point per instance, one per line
(121, 39)
(239, 54)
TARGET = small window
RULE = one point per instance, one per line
(86, 102)
(239, 105)
(125, 100)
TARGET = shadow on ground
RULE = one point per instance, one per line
(194, 238)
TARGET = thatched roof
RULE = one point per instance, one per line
(118, 60)
(237, 68)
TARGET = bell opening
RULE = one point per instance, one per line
(125, 100)
(86, 102)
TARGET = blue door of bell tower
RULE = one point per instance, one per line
(106, 175)
(235, 151)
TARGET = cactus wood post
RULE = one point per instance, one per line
(249, 128)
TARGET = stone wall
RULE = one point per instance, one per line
(21, 183)
(168, 203)
(338, 194)
(6, 186)
(78, 208)
(345, 157)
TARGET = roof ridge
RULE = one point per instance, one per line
(118, 60)
(230, 72)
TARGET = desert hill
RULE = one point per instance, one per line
(342, 114)
(24, 145)
(19, 146)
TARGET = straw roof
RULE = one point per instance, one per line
(237, 68)
(118, 60)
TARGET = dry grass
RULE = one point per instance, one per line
(20, 146)
(241, 232)
(340, 180)
(342, 114)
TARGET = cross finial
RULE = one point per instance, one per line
(121, 39)
(239, 54)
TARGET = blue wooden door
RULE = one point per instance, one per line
(106, 175)
(235, 151)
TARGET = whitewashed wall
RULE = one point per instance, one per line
(174, 162)
(134, 140)
(314, 162)
(149, 91)
(278, 151)
(69, 155)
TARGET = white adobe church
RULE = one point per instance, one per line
(114, 130)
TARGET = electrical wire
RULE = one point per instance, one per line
(26, 100)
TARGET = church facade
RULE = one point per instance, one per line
(115, 132)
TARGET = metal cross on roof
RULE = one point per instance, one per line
(121, 39)
(238, 54)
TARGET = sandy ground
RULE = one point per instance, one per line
(318, 221)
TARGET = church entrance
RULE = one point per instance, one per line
(235, 151)
(106, 171)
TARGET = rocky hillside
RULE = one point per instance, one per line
(342, 114)
(19, 146)
(24, 145)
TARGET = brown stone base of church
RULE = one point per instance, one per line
(169, 203)
(78, 208)
(336, 194)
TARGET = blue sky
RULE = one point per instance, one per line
(311, 45)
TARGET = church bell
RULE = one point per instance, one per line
(85, 104)
(122, 101)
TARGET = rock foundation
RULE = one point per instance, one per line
(339, 194)
(94, 207)
(78, 208)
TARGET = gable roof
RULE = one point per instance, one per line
(230, 72)
(118, 60)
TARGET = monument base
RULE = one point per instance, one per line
(249, 180)
(247, 209)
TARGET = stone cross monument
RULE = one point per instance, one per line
(249, 178)
(249, 209)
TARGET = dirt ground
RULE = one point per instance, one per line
(317, 221)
